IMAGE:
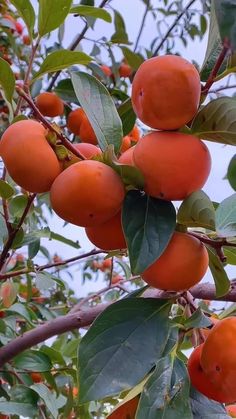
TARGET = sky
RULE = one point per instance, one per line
(217, 188)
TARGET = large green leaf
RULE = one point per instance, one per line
(122, 346)
(66, 91)
(149, 224)
(100, 109)
(58, 60)
(26, 11)
(214, 47)
(127, 115)
(95, 12)
(204, 408)
(7, 79)
(197, 210)
(52, 14)
(32, 361)
(120, 36)
(14, 408)
(216, 121)
(6, 190)
(226, 18)
(166, 393)
(226, 217)
(222, 282)
(230, 253)
(51, 402)
(231, 172)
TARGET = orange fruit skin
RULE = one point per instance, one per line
(106, 265)
(126, 410)
(231, 410)
(173, 164)
(127, 157)
(218, 358)
(36, 377)
(125, 144)
(125, 70)
(106, 70)
(200, 381)
(187, 261)
(116, 279)
(26, 40)
(109, 235)
(87, 134)
(28, 157)
(74, 120)
(88, 150)
(87, 194)
(166, 92)
(135, 134)
(49, 104)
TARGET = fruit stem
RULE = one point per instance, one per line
(41, 118)
(216, 244)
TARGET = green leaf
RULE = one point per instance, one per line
(230, 253)
(231, 173)
(58, 60)
(23, 394)
(197, 319)
(48, 397)
(130, 175)
(22, 311)
(95, 12)
(133, 59)
(32, 361)
(52, 14)
(6, 190)
(214, 47)
(221, 279)
(204, 408)
(17, 205)
(197, 210)
(26, 11)
(33, 248)
(55, 356)
(66, 91)
(216, 121)
(111, 354)
(48, 234)
(166, 393)
(65, 240)
(226, 217)
(226, 18)
(7, 79)
(20, 409)
(127, 116)
(8, 293)
(44, 281)
(100, 109)
(149, 224)
(120, 36)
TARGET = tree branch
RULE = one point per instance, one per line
(172, 27)
(83, 318)
(142, 25)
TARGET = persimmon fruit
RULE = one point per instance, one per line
(87, 194)
(125, 144)
(36, 377)
(86, 150)
(125, 70)
(231, 410)
(135, 133)
(166, 92)
(78, 123)
(218, 358)
(127, 157)
(109, 235)
(200, 380)
(106, 265)
(126, 410)
(74, 120)
(49, 104)
(173, 164)
(28, 157)
(106, 70)
(182, 264)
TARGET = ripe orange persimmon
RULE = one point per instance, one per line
(49, 104)
(87, 134)
(28, 157)
(187, 261)
(231, 410)
(125, 144)
(106, 70)
(125, 70)
(116, 279)
(74, 120)
(36, 377)
(127, 157)
(87, 150)
(87, 194)
(26, 39)
(218, 358)
(173, 164)
(109, 235)
(135, 134)
(126, 410)
(200, 380)
(166, 92)
(106, 265)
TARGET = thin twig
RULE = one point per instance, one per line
(172, 27)
(142, 25)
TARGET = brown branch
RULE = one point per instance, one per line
(72, 47)
(83, 318)
(13, 233)
(5, 205)
(41, 118)
(172, 27)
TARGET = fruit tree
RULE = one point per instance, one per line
(117, 298)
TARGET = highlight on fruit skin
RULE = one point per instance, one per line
(87, 194)
(49, 104)
(109, 235)
(231, 410)
(166, 92)
(187, 260)
(28, 157)
(202, 382)
(218, 358)
(173, 164)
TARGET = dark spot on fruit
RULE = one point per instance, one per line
(141, 93)
(217, 368)
(161, 195)
(91, 215)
